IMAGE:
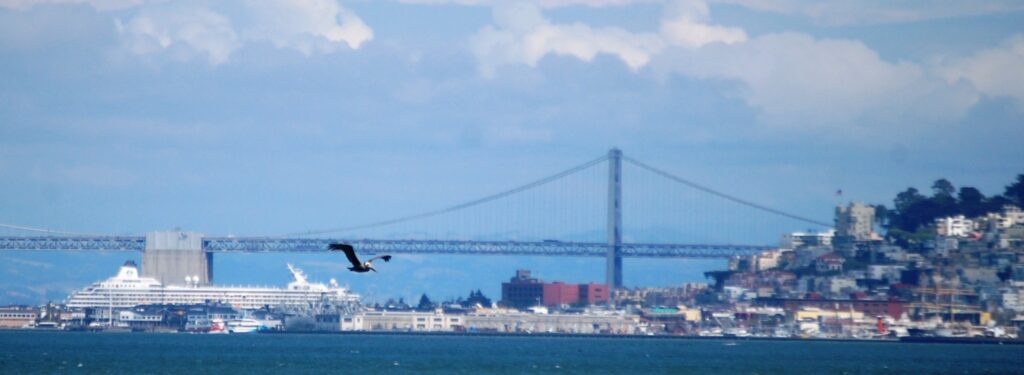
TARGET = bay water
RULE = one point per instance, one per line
(123, 353)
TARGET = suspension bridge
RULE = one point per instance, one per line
(170, 256)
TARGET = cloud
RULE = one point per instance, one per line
(522, 35)
(215, 31)
(795, 80)
(847, 12)
(685, 26)
(98, 4)
(791, 80)
(187, 30)
(306, 25)
(541, 3)
(994, 72)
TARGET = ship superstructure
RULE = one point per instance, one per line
(127, 289)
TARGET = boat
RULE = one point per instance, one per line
(217, 326)
(129, 289)
(244, 325)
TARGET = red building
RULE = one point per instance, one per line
(559, 293)
(524, 291)
(593, 294)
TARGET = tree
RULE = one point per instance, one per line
(478, 297)
(971, 202)
(1015, 191)
(882, 215)
(906, 208)
(942, 203)
(996, 203)
(943, 188)
(425, 303)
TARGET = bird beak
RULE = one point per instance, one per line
(373, 269)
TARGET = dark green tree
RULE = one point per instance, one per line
(996, 203)
(882, 215)
(943, 188)
(1015, 191)
(478, 297)
(425, 303)
(942, 203)
(971, 202)
(907, 208)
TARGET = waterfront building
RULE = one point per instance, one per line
(18, 316)
(523, 291)
(559, 293)
(408, 321)
(594, 294)
(503, 322)
(873, 308)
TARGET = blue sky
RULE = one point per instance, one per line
(268, 117)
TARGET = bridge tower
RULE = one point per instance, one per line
(169, 257)
(614, 271)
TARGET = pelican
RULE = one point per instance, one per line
(357, 266)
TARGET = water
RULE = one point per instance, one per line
(60, 352)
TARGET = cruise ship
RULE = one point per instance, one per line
(129, 289)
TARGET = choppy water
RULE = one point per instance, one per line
(60, 352)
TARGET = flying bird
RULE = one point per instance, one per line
(357, 266)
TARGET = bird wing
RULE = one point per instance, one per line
(387, 258)
(350, 252)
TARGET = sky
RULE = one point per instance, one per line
(273, 117)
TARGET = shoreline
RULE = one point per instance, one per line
(907, 339)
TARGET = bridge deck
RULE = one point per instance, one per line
(373, 246)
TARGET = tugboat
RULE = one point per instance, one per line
(218, 326)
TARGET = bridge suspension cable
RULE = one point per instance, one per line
(457, 207)
(50, 231)
(722, 195)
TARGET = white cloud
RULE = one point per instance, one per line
(197, 29)
(846, 12)
(797, 81)
(540, 3)
(791, 80)
(522, 35)
(214, 31)
(98, 4)
(995, 72)
(306, 25)
(685, 26)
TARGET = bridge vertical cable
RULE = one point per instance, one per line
(669, 208)
(542, 209)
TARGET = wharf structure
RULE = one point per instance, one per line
(486, 320)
